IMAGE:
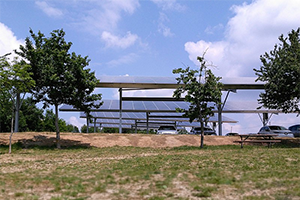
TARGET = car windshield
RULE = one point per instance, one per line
(167, 128)
(277, 128)
(205, 128)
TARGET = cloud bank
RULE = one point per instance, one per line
(253, 30)
(49, 10)
(8, 41)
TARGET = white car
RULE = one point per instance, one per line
(279, 130)
(167, 130)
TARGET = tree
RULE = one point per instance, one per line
(61, 77)
(91, 129)
(15, 80)
(49, 123)
(31, 117)
(280, 71)
(5, 111)
(202, 90)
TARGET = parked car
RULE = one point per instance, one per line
(295, 129)
(207, 131)
(167, 130)
(279, 130)
(231, 134)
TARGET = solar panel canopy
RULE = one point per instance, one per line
(170, 106)
(131, 116)
(171, 82)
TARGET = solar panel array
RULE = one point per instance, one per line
(170, 106)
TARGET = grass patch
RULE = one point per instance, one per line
(146, 173)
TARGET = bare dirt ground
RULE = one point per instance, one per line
(108, 140)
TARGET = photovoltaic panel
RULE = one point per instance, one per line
(170, 106)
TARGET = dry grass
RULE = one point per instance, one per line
(85, 171)
(109, 140)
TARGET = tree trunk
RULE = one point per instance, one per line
(202, 133)
(57, 128)
(11, 132)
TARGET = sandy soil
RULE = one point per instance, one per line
(108, 140)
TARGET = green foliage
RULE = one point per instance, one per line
(60, 75)
(49, 123)
(109, 130)
(201, 89)
(31, 117)
(5, 112)
(91, 129)
(281, 71)
(15, 79)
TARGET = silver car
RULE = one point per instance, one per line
(295, 130)
(167, 130)
(279, 130)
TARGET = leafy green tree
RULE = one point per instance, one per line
(91, 129)
(110, 130)
(280, 71)
(73, 129)
(15, 80)
(49, 123)
(202, 90)
(5, 111)
(61, 77)
(31, 117)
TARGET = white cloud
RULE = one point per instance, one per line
(8, 41)
(252, 31)
(76, 122)
(123, 60)
(106, 14)
(49, 10)
(120, 42)
(211, 30)
(169, 5)
(162, 28)
(128, 6)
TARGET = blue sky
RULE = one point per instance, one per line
(152, 37)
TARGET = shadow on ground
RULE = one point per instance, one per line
(44, 142)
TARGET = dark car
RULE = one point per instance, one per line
(232, 134)
(295, 129)
(207, 131)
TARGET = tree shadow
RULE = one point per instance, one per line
(289, 143)
(44, 142)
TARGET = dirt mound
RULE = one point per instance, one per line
(108, 140)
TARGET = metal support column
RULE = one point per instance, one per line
(220, 120)
(87, 124)
(120, 123)
(147, 122)
(265, 119)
